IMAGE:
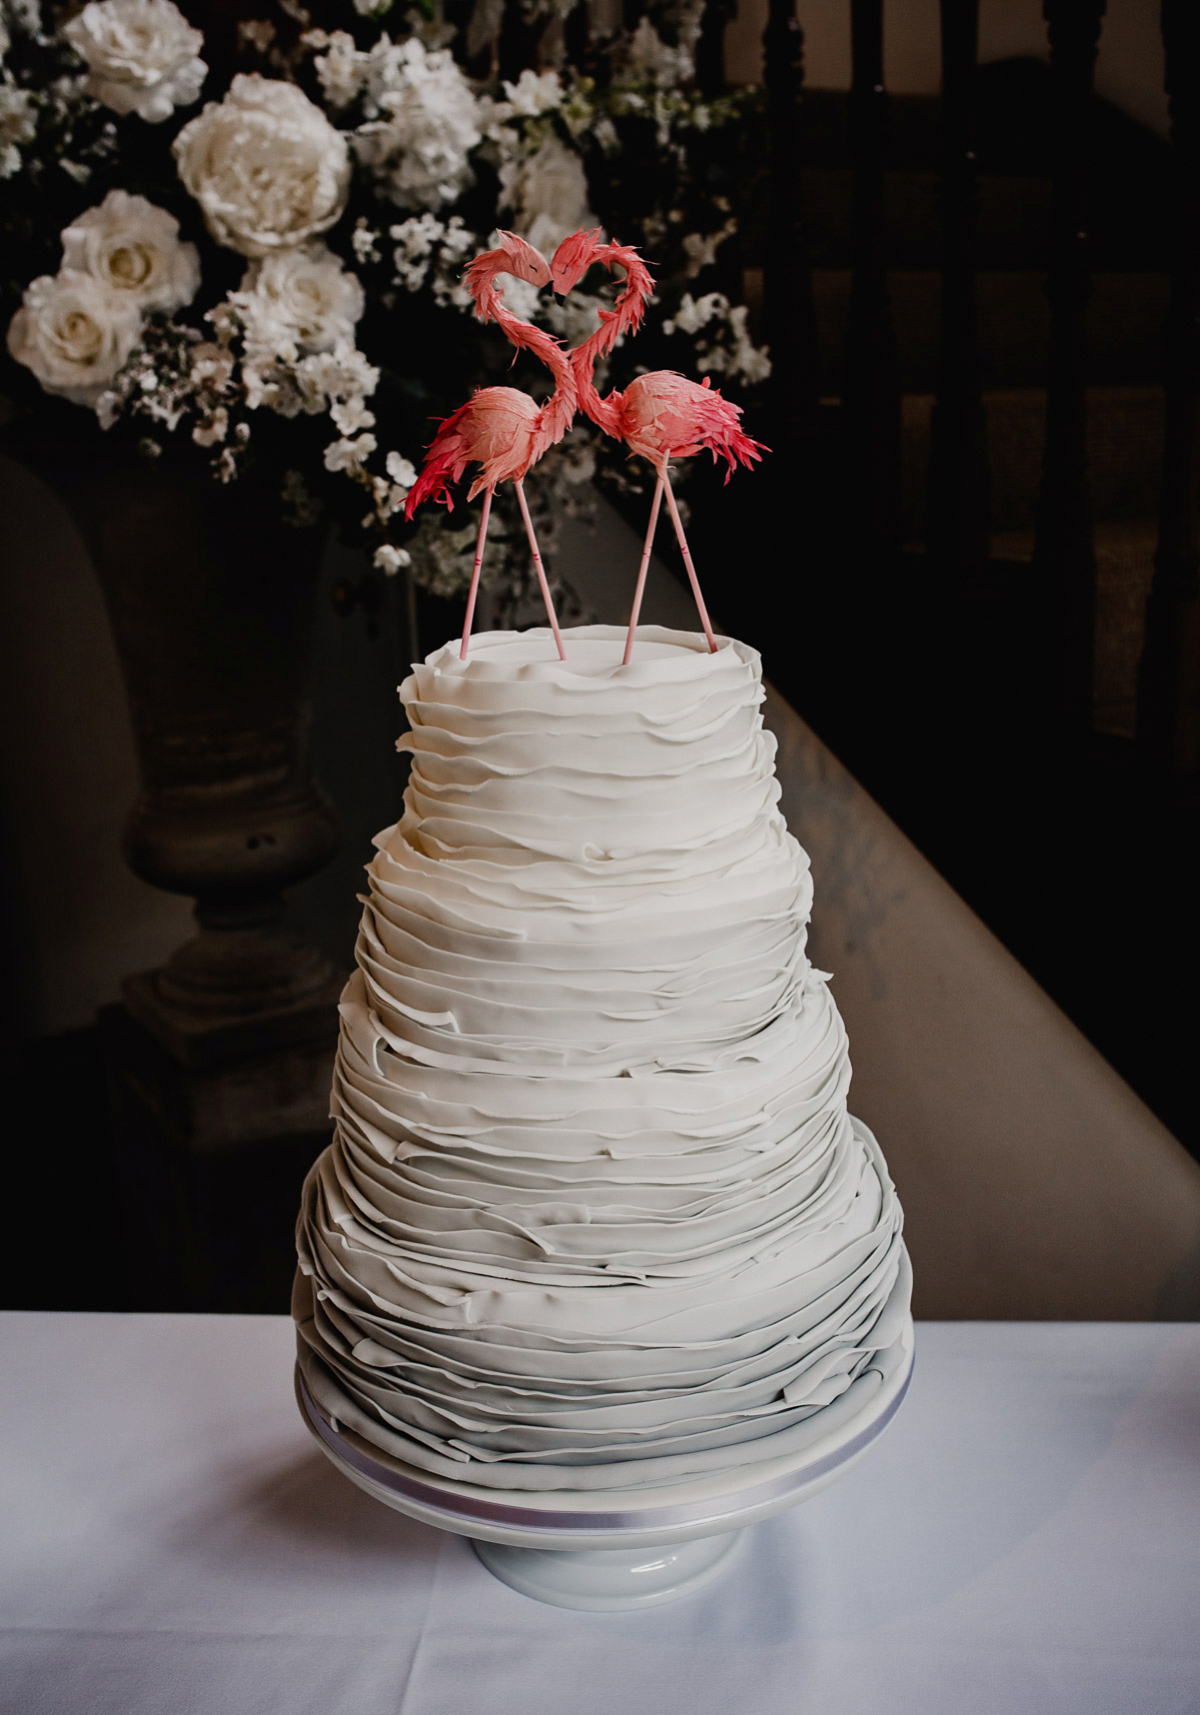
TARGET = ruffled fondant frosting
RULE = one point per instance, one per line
(595, 1214)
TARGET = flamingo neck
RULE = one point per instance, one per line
(604, 412)
(625, 316)
(554, 418)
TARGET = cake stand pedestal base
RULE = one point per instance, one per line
(604, 1580)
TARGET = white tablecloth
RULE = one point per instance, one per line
(1025, 1538)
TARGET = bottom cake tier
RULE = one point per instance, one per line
(518, 1407)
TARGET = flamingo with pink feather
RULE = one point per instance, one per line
(500, 428)
(660, 415)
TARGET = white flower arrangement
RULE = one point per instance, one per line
(356, 171)
(419, 149)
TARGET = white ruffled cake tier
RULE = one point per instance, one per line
(595, 1214)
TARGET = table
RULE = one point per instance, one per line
(1025, 1538)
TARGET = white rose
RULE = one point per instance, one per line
(132, 247)
(74, 334)
(548, 194)
(420, 150)
(142, 56)
(303, 297)
(265, 165)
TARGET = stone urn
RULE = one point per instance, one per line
(212, 601)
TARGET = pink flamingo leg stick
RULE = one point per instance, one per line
(539, 568)
(691, 570)
(643, 569)
(474, 590)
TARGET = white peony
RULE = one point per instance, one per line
(548, 194)
(303, 299)
(74, 334)
(142, 56)
(133, 247)
(420, 148)
(265, 165)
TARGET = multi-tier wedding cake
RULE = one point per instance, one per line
(595, 1214)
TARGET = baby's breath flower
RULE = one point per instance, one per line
(349, 455)
(392, 560)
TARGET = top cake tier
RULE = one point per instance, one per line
(519, 755)
(591, 866)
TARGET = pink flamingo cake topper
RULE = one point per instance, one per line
(660, 415)
(500, 428)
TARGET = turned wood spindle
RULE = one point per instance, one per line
(710, 46)
(1064, 555)
(577, 34)
(1169, 688)
(632, 13)
(959, 496)
(872, 392)
(789, 315)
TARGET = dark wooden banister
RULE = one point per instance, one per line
(959, 494)
(710, 46)
(789, 315)
(577, 34)
(872, 391)
(1064, 557)
(1169, 687)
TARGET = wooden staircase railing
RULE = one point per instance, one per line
(1169, 687)
(872, 386)
(1064, 555)
(959, 500)
(1063, 583)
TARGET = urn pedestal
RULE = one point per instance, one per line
(211, 600)
(222, 1056)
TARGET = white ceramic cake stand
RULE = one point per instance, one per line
(616, 1548)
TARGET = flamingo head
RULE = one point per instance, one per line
(518, 257)
(572, 260)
